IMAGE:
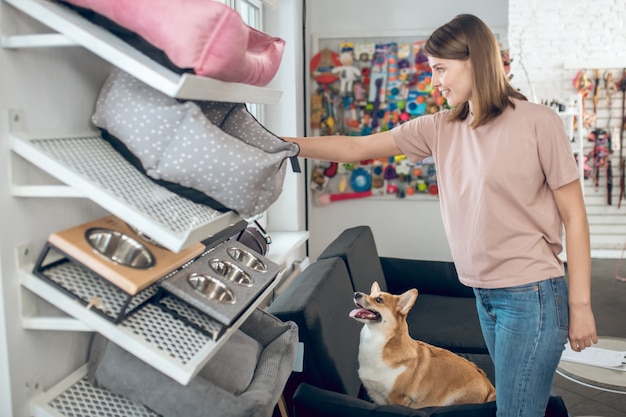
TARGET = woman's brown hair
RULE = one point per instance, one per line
(467, 37)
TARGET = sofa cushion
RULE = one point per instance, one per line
(429, 277)
(555, 408)
(357, 248)
(484, 362)
(311, 401)
(448, 322)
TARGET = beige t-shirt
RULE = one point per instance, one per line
(495, 186)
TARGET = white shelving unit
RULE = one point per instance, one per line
(86, 167)
(151, 334)
(283, 252)
(572, 119)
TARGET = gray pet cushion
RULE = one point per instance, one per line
(232, 368)
(217, 148)
(218, 390)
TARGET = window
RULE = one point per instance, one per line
(251, 13)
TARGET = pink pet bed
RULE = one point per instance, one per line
(205, 35)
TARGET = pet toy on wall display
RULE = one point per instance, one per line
(346, 71)
(395, 176)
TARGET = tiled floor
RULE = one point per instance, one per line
(583, 401)
(608, 298)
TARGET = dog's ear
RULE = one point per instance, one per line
(407, 300)
(375, 287)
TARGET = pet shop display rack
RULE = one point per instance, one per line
(85, 168)
(571, 115)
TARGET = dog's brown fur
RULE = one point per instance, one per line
(396, 369)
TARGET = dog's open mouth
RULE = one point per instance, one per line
(364, 314)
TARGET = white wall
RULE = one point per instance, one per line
(398, 15)
(402, 228)
(287, 117)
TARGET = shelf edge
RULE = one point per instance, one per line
(182, 373)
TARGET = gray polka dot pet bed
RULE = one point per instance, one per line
(214, 153)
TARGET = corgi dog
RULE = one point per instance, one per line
(397, 369)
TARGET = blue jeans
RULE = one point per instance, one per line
(525, 329)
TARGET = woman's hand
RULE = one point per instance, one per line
(582, 327)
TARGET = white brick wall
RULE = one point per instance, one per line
(554, 39)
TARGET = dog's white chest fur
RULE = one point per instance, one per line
(377, 377)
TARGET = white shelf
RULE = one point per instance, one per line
(95, 170)
(284, 247)
(45, 191)
(152, 335)
(572, 115)
(114, 50)
(76, 396)
(283, 251)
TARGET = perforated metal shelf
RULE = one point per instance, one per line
(154, 336)
(83, 284)
(76, 396)
(91, 166)
(112, 49)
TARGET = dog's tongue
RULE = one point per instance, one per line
(361, 313)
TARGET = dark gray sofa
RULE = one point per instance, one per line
(319, 301)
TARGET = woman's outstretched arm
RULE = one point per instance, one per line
(347, 148)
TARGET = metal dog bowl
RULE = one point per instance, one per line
(231, 272)
(120, 248)
(212, 288)
(247, 259)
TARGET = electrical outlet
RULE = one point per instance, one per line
(33, 386)
(24, 255)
